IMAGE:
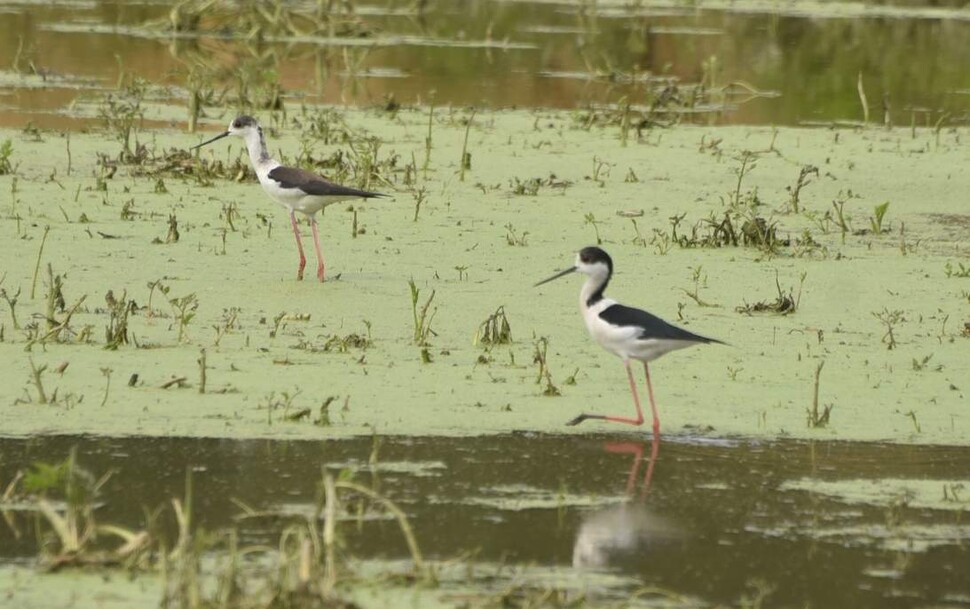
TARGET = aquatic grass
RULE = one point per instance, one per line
(528, 187)
(152, 287)
(419, 194)
(106, 373)
(514, 238)
(6, 152)
(12, 304)
(953, 272)
(863, 100)
(72, 536)
(747, 163)
(638, 239)
(804, 179)
(841, 218)
(172, 236)
(202, 370)
(661, 242)
(590, 220)
(889, 319)
(495, 330)
(40, 254)
(37, 376)
(306, 567)
(699, 280)
(601, 171)
(121, 113)
(539, 357)
(116, 332)
(758, 232)
(921, 364)
(911, 415)
(342, 344)
(282, 401)
(785, 303)
(227, 323)
(428, 140)
(422, 319)
(465, 162)
(14, 181)
(817, 418)
(55, 296)
(183, 310)
(876, 220)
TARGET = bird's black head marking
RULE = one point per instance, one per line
(592, 261)
(243, 120)
(593, 254)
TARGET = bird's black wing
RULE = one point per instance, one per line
(312, 184)
(651, 326)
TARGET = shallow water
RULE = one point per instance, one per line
(804, 58)
(718, 518)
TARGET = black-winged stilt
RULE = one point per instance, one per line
(295, 189)
(631, 334)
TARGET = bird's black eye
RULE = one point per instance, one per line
(237, 124)
(584, 258)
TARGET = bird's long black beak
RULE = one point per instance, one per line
(556, 276)
(218, 137)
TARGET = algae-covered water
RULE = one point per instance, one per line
(275, 346)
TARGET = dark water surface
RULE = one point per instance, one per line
(716, 521)
(805, 57)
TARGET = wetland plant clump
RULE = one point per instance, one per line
(495, 330)
(116, 332)
(784, 303)
(422, 317)
(540, 349)
(794, 192)
(65, 496)
(6, 151)
(889, 319)
(818, 417)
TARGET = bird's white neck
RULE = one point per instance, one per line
(592, 290)
(256, 145)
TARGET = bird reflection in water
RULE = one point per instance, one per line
(623, 531)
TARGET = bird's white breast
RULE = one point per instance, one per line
(615, 339)
(625, 341)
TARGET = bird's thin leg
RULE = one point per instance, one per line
(299, 244)
(653, 405)
(615, 419)
(654, 452)
(316, 244)
(629, 447)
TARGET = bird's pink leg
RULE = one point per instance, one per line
(299, 244)
(629, 447)
(316, 244)
(616, 419)
(653, 405)
(654, 452)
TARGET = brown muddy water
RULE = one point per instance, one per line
(756, 62)
(786, 523)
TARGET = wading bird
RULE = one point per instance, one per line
(631, 334)
(295, 189)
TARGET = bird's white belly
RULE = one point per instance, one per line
(623, 341)
(297, 200)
